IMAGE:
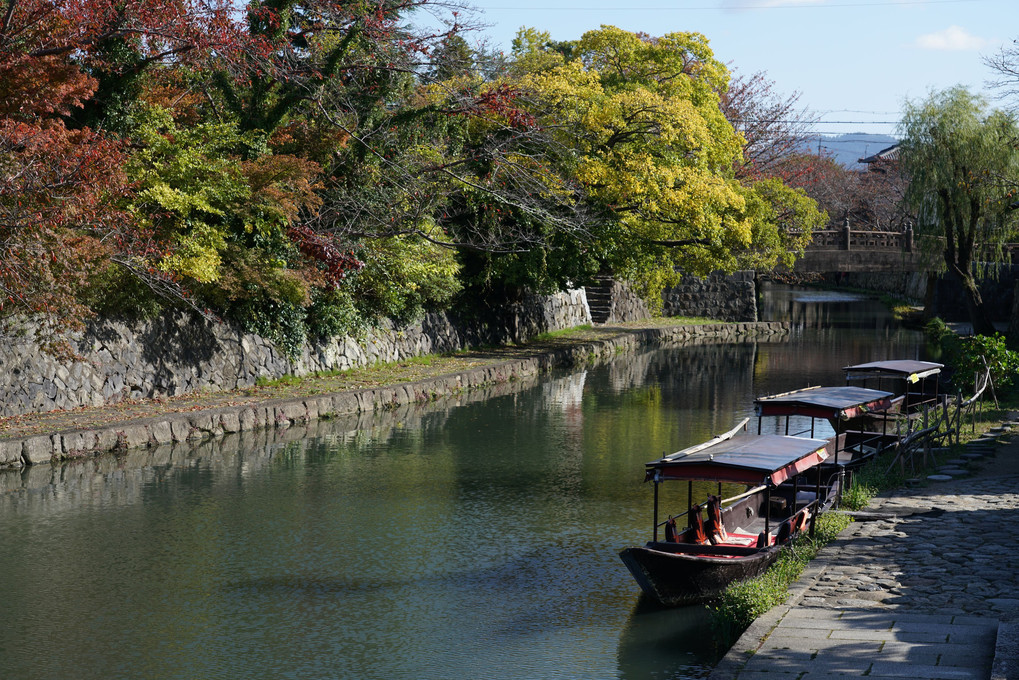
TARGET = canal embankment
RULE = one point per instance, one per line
(924, 588)
(40, 438)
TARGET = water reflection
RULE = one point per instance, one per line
(667, 644)
(474, 537)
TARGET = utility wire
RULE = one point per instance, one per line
(882, 3)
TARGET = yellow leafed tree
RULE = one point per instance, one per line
(656, 155)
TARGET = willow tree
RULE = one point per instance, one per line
(962, 164)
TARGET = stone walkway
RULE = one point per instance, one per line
(928, 588)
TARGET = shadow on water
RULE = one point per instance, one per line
(666, 643)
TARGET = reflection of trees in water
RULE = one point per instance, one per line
(822, 310)
(829, 330)
(692, 376)
(710, 377)
(122, 479)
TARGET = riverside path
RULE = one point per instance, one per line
(928, 587)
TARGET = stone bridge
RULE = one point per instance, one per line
(859, 251)
(850, 250)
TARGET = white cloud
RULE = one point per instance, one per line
(954, 39)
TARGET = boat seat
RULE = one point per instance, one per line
(662, 546)
(740, 537)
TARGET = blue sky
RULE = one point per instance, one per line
(850, 60)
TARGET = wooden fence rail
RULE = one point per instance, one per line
(941, 422)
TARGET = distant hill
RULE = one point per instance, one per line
(847, 149)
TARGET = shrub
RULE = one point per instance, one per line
(971, 354)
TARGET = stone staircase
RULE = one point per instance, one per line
(599, 298)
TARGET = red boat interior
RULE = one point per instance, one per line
(739, 529)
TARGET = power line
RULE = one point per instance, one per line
(826, 122)
(851, 141)
(872, 113)
(882, 3)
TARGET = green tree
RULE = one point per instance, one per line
(962, 165)
(453, 57)
(657, 157)
(221, 215)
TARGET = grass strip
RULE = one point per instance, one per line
(743, 602)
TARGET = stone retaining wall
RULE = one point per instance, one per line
(198, 425)
(180, 354)
(728, 297)
(625, 305)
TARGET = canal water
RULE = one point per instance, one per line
(470, 538)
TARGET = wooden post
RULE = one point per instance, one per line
(689, 498)
(926, 439)
(958, 418)
(655, 536)
(838, 426)
(817, 498)
(976, 404)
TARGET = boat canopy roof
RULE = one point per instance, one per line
(910, 370)
(753, 459)
(834, 403)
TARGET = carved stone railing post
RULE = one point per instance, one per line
(846, 232)
(907, 241)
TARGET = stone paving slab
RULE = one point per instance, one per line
(920, 671)
(927, 589)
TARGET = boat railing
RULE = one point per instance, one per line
(726, 502)
(916, 400)
(810, 507)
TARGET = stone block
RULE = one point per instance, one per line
(229, 421)
(203, 422)
(247, 420)
(10, 453)
(290, 412)
(134, 436)
(37, 450)
(160, 432)
(180, 429)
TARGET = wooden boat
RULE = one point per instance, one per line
(914, 383)
(741, 536)
(841, 407)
